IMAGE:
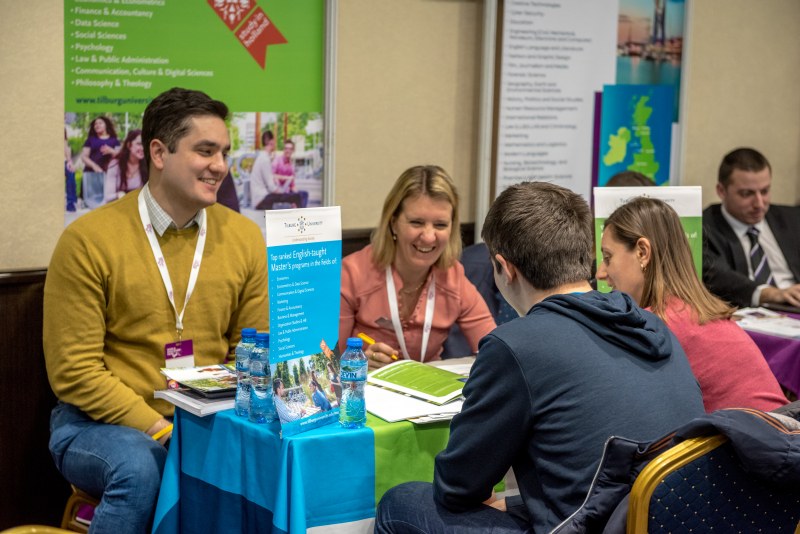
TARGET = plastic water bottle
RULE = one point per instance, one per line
(243, 349)
(262, 409)
(353, 375)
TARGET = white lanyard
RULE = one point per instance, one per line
(162, 263)
(398, 328)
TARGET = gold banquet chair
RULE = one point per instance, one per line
(35, 529)
(700, 486)
(70, 521)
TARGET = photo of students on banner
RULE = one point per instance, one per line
(275, 161)
(303, 387)
(278, 161)
(92, 144)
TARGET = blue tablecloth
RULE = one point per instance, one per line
(225, 474)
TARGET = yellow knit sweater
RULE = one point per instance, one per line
(107, 316)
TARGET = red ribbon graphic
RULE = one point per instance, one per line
(255, 31)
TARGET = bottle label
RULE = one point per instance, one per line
(256, 367)
(353, 370)
(353, 413)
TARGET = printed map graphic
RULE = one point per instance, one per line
(635, 131)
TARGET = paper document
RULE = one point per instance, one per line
(462, 369)
(767, 322)
(419, 380)
(391, 406)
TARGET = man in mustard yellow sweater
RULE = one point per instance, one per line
(161, 271)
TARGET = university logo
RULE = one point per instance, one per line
(232, 12)
(251, 26)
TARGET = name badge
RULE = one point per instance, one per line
(179, 354)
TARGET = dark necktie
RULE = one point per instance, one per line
(758, 260)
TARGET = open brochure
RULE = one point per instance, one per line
(193, 402)
(419, 380)
(210, 380)
(767, 322)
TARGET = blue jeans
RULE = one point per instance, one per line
(117, 464)
(72, 194)
(409, 509)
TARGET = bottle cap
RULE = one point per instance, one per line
(263, 337)
(354, 342)
(248, 332)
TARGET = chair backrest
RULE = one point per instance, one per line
(699, 485)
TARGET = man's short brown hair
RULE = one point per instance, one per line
(544, 230)
(167, 118)
(744, 159)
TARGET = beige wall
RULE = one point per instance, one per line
(31, 131)
(407, 94)
(742, 90)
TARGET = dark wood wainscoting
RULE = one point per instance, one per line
(33, 490)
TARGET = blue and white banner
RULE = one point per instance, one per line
(304, 253)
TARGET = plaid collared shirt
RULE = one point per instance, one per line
(159, 218)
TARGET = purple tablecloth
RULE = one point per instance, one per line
(783, 356)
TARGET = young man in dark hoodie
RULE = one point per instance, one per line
(548, 388)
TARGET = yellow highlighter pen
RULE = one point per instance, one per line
(369, 341)
(163, 432)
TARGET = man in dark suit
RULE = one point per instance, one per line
(751, 249)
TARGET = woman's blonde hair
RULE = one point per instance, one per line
(671, 271)
(423, 180)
